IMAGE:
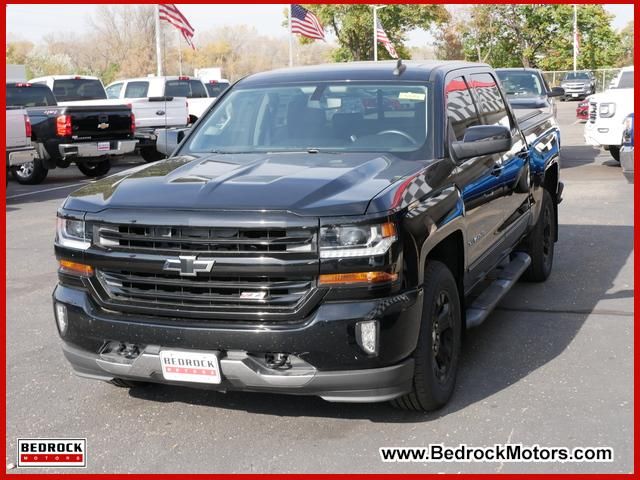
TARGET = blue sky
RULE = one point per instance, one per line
(33, 21)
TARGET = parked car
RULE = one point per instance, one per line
(168, 86)
(626, 152)
(582, 110)
(19, 150)
(85, 135)
(578, 85)
(526, 88)
(151, 112)
(296, 244)
(607, 112)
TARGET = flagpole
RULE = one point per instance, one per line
(290, 39)
(179, 52)
(158, 47)
(375, 34)
(575, 37)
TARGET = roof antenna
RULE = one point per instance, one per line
(400, 68)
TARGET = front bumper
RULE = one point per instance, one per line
(603, 133)
(96, 149)
(626, 161)
(326, 361)
(20, 156)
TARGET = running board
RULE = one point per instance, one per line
(489, 298)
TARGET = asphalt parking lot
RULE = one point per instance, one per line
(552, 366)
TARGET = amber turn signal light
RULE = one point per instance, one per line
(68, 266)
(360, 277)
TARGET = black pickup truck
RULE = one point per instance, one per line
(327, 230)
(86, 135)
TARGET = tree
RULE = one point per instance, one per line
(540, 35)
(352, 25)
(626, 45)
(449, 42)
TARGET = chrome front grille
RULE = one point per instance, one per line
(204, 239)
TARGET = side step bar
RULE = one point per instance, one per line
(489, 298)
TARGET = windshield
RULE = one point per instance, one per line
(214, 89)
(185, 88)
(525, 84)
(345, 117)
(31, 96)
(72, 89)
(577, 76)
(626, 80)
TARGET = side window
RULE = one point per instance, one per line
(461, 110)
(113, 91)
(136, 90)
(490, 101)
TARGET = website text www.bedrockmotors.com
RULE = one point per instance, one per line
(509, 452)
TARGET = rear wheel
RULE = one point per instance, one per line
(150, 154)
(97, 169)
(436, 356)
(30, 173)
(614, 150)
(540, 242)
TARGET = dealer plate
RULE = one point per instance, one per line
(190, 366)
(574, 94)
(104, 146)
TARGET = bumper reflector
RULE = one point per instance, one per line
(367, 336)
(68, 266)
(61, 318)
(360, 277)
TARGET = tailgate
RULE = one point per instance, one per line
(160, 112)
(110, 122)
(16, 135)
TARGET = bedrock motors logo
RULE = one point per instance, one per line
(52, 452)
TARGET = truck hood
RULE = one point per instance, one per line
(319, 184)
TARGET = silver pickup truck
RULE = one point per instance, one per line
(18, 137)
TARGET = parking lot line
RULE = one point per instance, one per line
(47, 190)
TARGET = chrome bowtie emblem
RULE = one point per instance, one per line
(103, 125)
(188, 266)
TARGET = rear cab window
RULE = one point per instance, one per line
(185, 88)
(26, 95)
(214, 89)
(73, 89)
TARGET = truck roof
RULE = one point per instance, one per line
(156, 78)
(63, 77)
(415, 71)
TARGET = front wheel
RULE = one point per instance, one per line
(30, 173)
(438, 351)
(97, 169)
(614, 150)
(540, 242)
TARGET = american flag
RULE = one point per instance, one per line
(305, 23)
(381, 36)
(170, 13)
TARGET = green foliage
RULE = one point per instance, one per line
(540, 35)
(352, 24)
(626, 45)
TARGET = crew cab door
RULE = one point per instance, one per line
(478, 178)
(511, 168)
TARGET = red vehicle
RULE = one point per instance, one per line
(582, 110)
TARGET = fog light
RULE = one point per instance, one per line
(367, 336)
(61, 318)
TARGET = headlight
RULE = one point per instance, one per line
(71, 233)
(607, 110)
(356, 240)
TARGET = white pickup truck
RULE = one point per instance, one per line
(169, 86)
(151, 111)
(19, 150)
(607, 113)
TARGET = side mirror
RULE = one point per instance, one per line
(556, 92)
(167, 140)
(482, 140)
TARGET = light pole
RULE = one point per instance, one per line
(375, 30)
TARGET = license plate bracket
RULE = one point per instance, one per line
(104, 146)
(190, 366)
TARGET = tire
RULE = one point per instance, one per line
(97, 169)
(150, 154)
(122, 383)
(614, 150)
(540, 242)
(437, 354)
(31, 173)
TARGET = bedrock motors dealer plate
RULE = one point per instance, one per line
(190, 366)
